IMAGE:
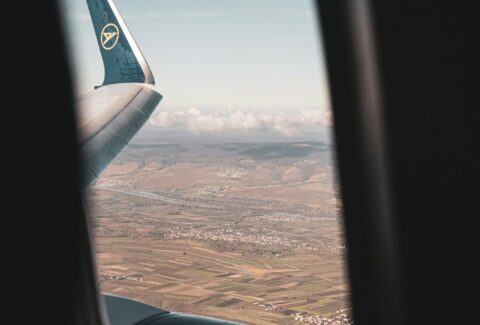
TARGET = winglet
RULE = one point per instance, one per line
(122, 58)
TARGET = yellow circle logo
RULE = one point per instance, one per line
(109, 36)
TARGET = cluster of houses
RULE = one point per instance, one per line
(231, 235)
(341, 317)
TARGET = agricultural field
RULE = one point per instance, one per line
(242, 231)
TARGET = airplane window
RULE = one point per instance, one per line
(208, 158)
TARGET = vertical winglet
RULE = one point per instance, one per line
(122, 58)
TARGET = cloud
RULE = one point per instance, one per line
(240, 122)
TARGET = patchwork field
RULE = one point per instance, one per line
(246, 232)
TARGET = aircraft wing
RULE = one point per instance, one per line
(122, 311)
(114, 112)
(109, 117)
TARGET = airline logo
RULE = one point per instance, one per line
(109, 36)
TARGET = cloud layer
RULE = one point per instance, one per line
(194, 121)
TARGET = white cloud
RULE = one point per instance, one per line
(239, 121)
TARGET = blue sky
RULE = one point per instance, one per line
(216, 55)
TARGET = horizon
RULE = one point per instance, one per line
(256, 68)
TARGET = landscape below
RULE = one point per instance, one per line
(241, 231)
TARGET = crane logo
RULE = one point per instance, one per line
(109, 36)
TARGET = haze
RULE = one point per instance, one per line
(223, 67)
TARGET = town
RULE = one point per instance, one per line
(254, 241)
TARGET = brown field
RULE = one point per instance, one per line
(245, 232)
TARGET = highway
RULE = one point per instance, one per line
(164, 198)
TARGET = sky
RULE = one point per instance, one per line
(219, 64)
